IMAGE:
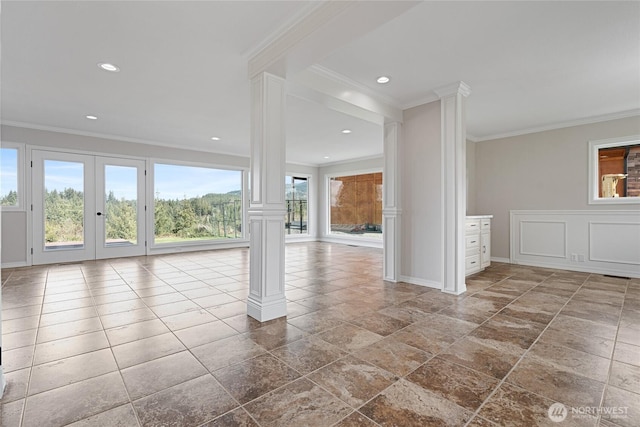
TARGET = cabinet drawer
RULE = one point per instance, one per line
(485, 224)
(472, 241)
(472, 225)
(472, 264)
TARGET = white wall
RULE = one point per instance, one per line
(539, 171)
(350, 168)
(421, 252)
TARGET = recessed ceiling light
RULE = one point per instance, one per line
(215, 138)
(92, 117)
(326, 157)
(383, 79)
(108, 67)
(346, 130)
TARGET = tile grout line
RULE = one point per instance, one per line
(476, 414)
(611, 360)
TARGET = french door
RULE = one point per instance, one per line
(86, 207)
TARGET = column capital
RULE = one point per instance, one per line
(453, 89)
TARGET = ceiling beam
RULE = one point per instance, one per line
(326, 27)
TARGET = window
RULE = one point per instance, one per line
(196, 203)
(356, 205)
(614, 171)
(11, 194)
(297, 199)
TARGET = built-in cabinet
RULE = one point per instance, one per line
(477, 243)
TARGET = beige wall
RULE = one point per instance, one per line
(539, 171)
(421, 252)
(471, 174)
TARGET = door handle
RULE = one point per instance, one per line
(99, 213)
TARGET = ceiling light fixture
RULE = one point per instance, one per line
(108, 67)
(346, 131)
(92, 117)
(326, 157)
(215, 138)
(383, 79)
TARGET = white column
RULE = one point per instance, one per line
(266, 299)
(391, 211)
(454, 192)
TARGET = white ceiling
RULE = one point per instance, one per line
(183, 79)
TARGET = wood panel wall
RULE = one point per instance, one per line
(358, 199)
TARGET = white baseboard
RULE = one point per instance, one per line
(420, 282)
(14, 264)
(572, 267)
(499, 259)
(354, 242)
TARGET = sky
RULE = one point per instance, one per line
(8, 171)
(171, 181)
(178, 182)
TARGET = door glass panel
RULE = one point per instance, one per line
(296, 196)
(63, 204)
(120, 216)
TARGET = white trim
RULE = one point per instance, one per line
(574, 267)
(16, 264)
(357, 159)
(561, 125)
(353, 242)
(420, 282)
(500, 259)
(196, 246)
(427, 99)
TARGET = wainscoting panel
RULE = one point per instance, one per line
(543, 238)
(605, 242)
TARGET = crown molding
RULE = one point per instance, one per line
(353, 160)
(432, 97)
(33, 126)
(453, 89)
(560, 125)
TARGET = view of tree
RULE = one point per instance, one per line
(9, 199)
(64, 214)
(213, 216)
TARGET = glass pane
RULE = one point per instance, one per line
(63, 204)
(356, 205)
(9, 177)
(296, 197)
(121, 205)
(194, 203)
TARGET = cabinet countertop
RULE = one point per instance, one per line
(479, 216)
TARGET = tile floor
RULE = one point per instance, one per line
(164, 341)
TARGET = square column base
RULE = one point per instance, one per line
(265, 311)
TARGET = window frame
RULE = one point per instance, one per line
(594, 146)
(310, 198)
(20, 172)
(151, 185)
(327, 226)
